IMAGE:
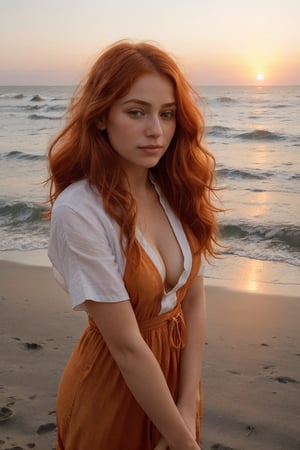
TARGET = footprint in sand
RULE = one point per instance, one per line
(10, 404)
(286, 380)
(250, 429)
(234, 372)
(269, 367)
(15, 448)
(46, 428)
(31, 346)
(5, 413)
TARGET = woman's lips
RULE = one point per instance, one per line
(152, 149)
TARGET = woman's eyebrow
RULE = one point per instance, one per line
(142, 102)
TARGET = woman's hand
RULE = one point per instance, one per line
(189, 418)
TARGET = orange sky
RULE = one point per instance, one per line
(216, 42)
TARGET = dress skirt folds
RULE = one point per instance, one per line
(95, 409)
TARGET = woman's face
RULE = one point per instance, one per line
(140, 125)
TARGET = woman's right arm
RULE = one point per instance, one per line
(141, 371)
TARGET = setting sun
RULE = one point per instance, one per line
(260, 77)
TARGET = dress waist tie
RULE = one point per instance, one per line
(174, 319)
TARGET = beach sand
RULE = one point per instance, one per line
(251, 374)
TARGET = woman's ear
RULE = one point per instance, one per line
(100, 124)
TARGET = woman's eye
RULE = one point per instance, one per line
(168, 114)
(136, 113)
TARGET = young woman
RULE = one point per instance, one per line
(131, 221)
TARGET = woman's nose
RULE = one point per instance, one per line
(154, 126)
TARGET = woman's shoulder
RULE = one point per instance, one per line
(80, 199)
(79, 208)
(80, 196)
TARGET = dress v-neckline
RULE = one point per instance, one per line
(157, 264)
(182, 240)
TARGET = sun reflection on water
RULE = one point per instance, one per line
(251, 275)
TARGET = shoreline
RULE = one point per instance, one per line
(231, 272)
(250, 376)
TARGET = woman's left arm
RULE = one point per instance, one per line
(194, 309)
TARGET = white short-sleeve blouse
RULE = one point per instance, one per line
(85, 251)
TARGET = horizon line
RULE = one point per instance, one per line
(194, 84)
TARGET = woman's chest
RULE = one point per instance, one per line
(164, 240)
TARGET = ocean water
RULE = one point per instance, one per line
(254, 133)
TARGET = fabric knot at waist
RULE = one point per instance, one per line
(174, 319)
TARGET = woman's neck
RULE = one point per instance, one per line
(139, 183)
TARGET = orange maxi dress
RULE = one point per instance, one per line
(95, 409)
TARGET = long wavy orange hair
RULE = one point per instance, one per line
(186, 171)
